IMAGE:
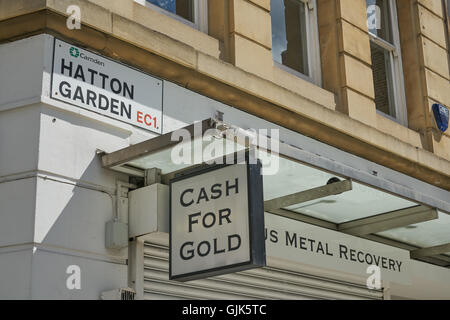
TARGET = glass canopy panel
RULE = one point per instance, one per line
(360, 202)
(293, 177)
(188, 154)
(425, 234)
(286, 177)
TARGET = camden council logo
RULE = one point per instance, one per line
(74, 52)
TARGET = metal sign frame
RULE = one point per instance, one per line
(257, 252)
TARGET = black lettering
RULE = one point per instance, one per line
(352, 255)
(78, 94)
(91, 97)
(202, 195)
(123, 108)
(224, 216)
(236, 236)
(361, 260)
(234, 186)
(208, 248)
(216, 191)
(103, 102)
(311, 242)
(391, 264)
(377, 260)
(320, 247)
(303, 243)
(92, 72)
(104, 77)
(191, 221)
(273, 236)
(399, 264)
(216, 251)
(213, 221)
(190, 252)
(66, 67)
(184, 204)
(114, 106)
(343, 251)
(384, 262)
(127, 90)
(119, 86)
(291, 240)
(368, 255)
(79, 73)
(328, 252)
(67, 92)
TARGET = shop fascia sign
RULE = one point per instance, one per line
(90, 81)
(299, 242)
(216, 221)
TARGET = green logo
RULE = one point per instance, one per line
(74, 52)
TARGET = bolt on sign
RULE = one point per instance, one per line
(93, 82)
(216, 221)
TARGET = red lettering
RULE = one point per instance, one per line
(139, 117)
(149, 123)
(146, 118)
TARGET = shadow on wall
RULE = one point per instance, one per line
(70, 220)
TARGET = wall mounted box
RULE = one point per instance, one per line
(116, 235)
(148, 210)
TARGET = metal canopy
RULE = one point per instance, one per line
(152, 153)
(431, 251)
(359, 202)
(387, 221)
(308, 195)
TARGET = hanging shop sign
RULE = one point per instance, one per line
(304, 243)
(93, 82)
(216, 222)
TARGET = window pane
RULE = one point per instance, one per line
(289, 41)
(182, 8)
(382, 80)
(378, 17)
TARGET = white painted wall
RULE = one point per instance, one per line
(49, 275)
(55, 197)
(17, 203)
(19, 138)
(15, 271)
(21, 71)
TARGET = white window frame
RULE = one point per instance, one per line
(312, 46)
(200, 14)
(396, 70)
